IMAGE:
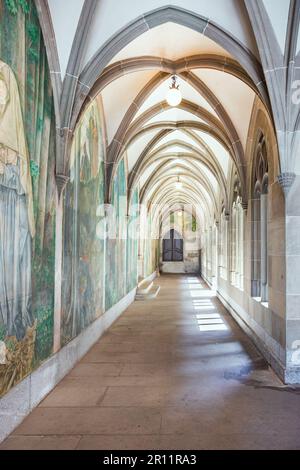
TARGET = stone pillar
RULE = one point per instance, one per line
(256, 250)
(210, 250)
(61, 181)
(217, 244)
(291, 187)
(264, 247)
(243, 244)
(226, 249)
(233, 240)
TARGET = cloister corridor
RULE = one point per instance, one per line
(149, 226)
(175, 372)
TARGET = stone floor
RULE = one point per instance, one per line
(173, 373)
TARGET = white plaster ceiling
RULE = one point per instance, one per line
(209, 175)
(278, 11)
(199, 191)
(177, 135)
(65, 21)
(218, 150)
(112, 15)
(235, 96)
(148, 171)
(173, 168)
(174, 115)
(187, 91)
(135, 150)
(175, 149)
(170, 41)
(118, 96)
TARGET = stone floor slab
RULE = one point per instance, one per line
(156, 380)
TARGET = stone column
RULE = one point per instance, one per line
(291, 186)
(217, 244)
(233, 237)
(264, 247)
(227, 246)
(256, 250)
(61, 181)
(243, 244)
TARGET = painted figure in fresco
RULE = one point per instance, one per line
(16, 211)
(89, 148)
(85, 166)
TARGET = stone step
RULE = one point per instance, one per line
(152, 294)
(144, 287)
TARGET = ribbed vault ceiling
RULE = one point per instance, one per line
(197, 143)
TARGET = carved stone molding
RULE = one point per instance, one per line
(245, 206)
(286, 180)
(61, 183)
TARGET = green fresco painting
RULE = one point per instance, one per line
(83, 250)
(27, 194)
(132, 242)
(115, 265)
(151, 250)
(96, 272)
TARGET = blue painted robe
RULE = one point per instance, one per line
(15, 255)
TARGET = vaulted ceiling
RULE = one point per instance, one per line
(129, 57)
(196, 143)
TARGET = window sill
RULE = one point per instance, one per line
(237, 287)
(258, 299)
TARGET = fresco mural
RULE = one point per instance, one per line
(83, 251)
(151, 250)
(27, 194)
(115, 284)
(132, 242)
(96, 273)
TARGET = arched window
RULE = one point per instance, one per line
(260, 223)
(223, 244)
(214, 253)
(237, 273)
(204, 249)
(209, 251)
(237, 241)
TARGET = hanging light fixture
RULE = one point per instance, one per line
(174, 96)
(178, 184)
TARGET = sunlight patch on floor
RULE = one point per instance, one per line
(207, 316)
(222, 327)
(204, 307)
(205, 293)
(210, 322)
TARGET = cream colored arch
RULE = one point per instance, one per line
(190, 152)
(194, 175)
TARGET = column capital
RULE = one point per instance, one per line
(245, 206)
(286, 181)
(61, 183)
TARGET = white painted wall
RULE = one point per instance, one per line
(65, 16)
